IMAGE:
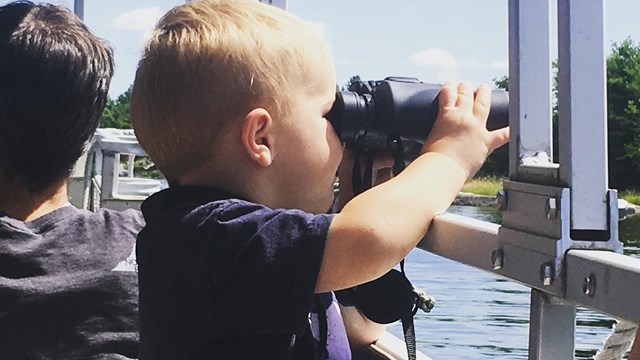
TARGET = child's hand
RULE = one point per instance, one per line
(460, 131)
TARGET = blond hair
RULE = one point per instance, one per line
(208, 63)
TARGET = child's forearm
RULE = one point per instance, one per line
(403, 207)
(379, 227)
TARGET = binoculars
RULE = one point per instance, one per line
(379, 115)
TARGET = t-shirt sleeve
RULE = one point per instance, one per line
(265, 266)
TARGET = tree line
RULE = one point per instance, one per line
(623, 106)
(623, 113)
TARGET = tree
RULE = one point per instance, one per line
(623, 111)
(623, 103)
(352, 79)
(502, 82)
(117, 113)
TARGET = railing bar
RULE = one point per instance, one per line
(474, 242)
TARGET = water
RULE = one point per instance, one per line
(481, 316)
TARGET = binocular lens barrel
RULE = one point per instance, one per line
(398, 109)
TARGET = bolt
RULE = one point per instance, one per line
(546, 274)
(589, 285)
(552, 211)
(497, 259)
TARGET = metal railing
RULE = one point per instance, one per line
(559, 234)
(104, 183)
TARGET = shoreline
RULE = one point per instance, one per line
(471, 199)
(625, 208)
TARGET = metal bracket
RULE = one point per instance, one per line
(536, 234)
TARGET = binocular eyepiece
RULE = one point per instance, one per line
(374, 114)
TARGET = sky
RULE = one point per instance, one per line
(432, 40)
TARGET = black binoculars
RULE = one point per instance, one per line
(379, 115)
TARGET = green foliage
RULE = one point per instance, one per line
(623, 98)
(497, 164)
(480, 185)
(623, 88)
(353, 79)
(502, 82)
(489, 185)
(117, 113)
(145, 168)
(632, 196)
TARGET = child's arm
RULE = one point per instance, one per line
(379, 227)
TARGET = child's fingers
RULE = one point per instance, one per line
(448, 95)
(482, 103)
(498, 138)
(465, 95)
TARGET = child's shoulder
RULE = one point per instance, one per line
(216, 222)
(203, 204)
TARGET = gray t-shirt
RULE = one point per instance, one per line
(68, 285)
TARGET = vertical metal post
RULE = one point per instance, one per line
(552, 328)
(583, 111)
(78, 8)
(529, 83)
(552, 324)
(109, 184)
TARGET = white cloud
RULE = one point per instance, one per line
(142, 20)
(449, 65)
(471, 64)
(434, 57)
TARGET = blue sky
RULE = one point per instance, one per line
(432, 40)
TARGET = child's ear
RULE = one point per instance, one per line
(256, 136)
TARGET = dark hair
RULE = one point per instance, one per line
(54, 80)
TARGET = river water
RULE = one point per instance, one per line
(481, 316)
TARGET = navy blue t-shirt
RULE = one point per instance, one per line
(224, 278)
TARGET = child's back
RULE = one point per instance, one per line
(68, 287)
(218, 277)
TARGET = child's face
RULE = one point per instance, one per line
(310, 150)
